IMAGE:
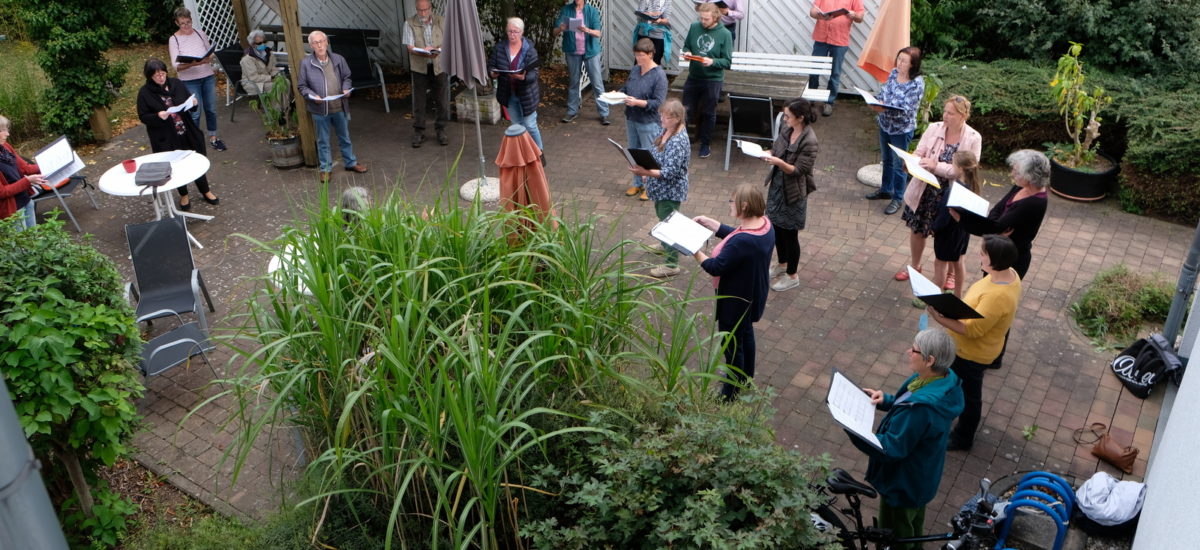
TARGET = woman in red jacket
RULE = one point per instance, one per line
(17, 179)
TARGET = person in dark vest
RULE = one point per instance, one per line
(423, 38)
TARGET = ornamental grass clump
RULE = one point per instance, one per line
(428, 358)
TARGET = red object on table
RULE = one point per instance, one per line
(130, 165)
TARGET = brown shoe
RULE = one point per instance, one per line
(356, 168)
(643, 196)
(632, 191)
(324, 177)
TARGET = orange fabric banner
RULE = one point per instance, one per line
(889, 34)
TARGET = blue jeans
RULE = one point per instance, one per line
(205, 90)
(894, 178)
(641, 136)
(838, 53)
(592, 65)
(700, 99)
(341, 127)
(28, 214)
(529, 121)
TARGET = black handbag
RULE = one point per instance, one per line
(1145, 362)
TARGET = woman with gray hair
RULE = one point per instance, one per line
(259, 66)
(1019, 214)
(913, 433)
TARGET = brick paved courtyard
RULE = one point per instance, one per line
(848, 313)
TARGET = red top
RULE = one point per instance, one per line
(835, 31)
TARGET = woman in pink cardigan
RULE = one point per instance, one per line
(936, 150)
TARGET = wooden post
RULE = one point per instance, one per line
(289, 12)
(242, 18)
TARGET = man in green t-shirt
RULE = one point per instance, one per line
(709, 47)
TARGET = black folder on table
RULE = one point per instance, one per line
(947, 304)
(192, 59)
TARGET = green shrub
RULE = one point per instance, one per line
(705, 481)
(429, 358)
(1118, 302)
(68, 343)
(21, 91)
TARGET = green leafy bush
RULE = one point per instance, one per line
(707, 481)
(68, 343)
(72, 36)
(1119, 302)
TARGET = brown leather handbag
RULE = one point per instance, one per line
(1106, 448)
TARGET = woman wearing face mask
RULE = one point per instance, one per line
(259, 66)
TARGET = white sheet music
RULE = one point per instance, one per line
(921, 285)
(852, 408)
(680, 232)
(191, 100)
(961, 197)
(58, 161)
(750, 148)
(912, 163)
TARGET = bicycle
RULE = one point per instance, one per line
(973, 528)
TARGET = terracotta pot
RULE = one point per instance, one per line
(1080, 185)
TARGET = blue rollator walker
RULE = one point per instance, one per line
(1046, 492)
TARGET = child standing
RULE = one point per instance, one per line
(949, 238)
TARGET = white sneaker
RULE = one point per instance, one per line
(776, 270)
(662, 271)
(785, 283)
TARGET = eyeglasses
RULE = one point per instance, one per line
(915, 350)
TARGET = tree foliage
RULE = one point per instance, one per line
(68, 342)
(72, 36)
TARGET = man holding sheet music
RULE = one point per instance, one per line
(325, 83)
(709, 48)
(909, 451)
(831, 38)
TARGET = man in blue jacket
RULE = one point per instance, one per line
(908, 470)
(579, 25)
(323, 75)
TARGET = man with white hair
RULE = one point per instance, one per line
(423, 38)
(324, 81)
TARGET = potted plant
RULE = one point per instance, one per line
(1077, 169)
(274, 107)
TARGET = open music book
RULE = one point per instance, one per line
(681, 233)
(912, 164)
(193, 59)
(966, 201)
(871, 100)
(851, 407)
(947, 304)
(57, 161)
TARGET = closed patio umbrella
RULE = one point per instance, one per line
(522, 180)
(888, 35)
(463, 56)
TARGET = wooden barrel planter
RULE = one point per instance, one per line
(285, 153)
(1081, 185)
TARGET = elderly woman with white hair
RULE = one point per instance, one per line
(913, 433)
(259, 66)
(1019, 214)
(514, 65)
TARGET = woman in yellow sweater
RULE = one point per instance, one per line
(980, 341)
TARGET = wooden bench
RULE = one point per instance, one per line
(776, 76)
(355, 46)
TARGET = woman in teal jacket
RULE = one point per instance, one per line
(908, 470)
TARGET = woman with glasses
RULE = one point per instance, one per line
(197, 76)
(789, 182)
(171, 131)
(908, 469)
(903, 92)
(514, 65)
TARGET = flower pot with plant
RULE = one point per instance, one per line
(274, 108)
(1078, 169)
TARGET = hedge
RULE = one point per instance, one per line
(1151, 126)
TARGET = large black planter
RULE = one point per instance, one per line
(1083, 186)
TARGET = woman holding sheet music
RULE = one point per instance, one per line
(1019, 214)
(908, 470)
(980, 341)
(514, 65)
(936, 151)
(789, 182)
(171, 131)
(739, 269)
(903, 90)
(667, 186)
(645, 91)
(197, 75)
(17, 179)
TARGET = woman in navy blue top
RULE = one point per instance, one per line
(739, 266)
